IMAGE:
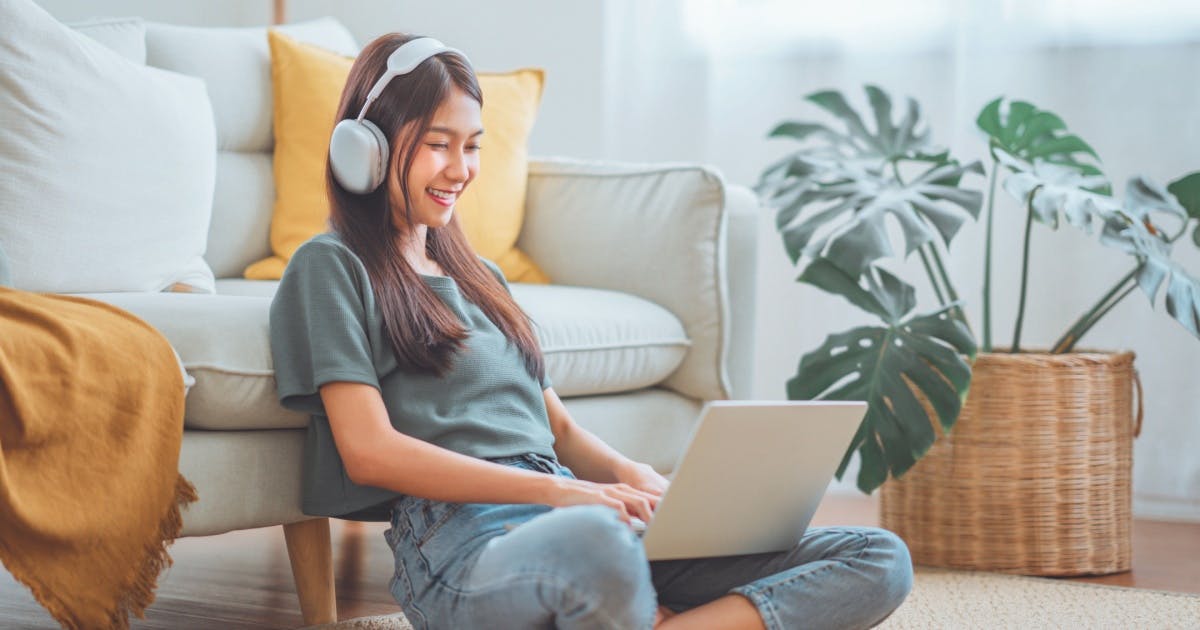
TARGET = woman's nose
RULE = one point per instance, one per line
(457, 169)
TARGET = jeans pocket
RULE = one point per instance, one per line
(427, 517)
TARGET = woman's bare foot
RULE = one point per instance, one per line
(662, 615)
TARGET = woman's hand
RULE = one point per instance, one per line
(625, 499)
(643, 477)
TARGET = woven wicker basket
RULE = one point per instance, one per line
(1035, 476)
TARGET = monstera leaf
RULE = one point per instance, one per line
(889, 142)
(1029, 133)
(884, 365)
(1186, 190)
(835, 192)
(1133, 231)
(848, 207)
(1056, 190)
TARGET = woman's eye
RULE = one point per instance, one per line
(439, 145)
(474, 147)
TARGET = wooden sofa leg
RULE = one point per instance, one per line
(311, 553)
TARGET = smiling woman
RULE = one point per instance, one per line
(430, 407)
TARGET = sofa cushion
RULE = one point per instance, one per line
(106, 165)
(595, 342)
(126, 35)
(241, 286)
(5, 274)
(598, 342)
(224, 344)
(657, 231)
(236, 66)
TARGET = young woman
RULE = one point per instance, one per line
(430, 406)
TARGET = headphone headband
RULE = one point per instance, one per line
(403, 60)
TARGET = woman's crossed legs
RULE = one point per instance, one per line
(581, 567)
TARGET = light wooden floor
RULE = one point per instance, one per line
(243, 580)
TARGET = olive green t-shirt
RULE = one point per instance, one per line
(326, 326)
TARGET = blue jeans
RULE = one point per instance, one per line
(483, 565)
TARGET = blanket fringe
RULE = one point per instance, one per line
(140, 594)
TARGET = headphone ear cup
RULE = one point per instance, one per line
(380, 160)
(358, 155)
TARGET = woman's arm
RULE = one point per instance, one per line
(590, 458)
(376, 454)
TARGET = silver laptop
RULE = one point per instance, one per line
(750, 477)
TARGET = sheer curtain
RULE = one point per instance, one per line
(707, 79)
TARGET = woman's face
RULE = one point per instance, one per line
(446, 161)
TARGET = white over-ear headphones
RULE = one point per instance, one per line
(358, 150)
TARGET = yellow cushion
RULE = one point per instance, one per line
(307, 82)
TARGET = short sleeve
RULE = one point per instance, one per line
(319, 326)
(495, 269)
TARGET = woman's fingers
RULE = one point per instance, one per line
(638, 502)
(650, 496)
(625, 499)
(619, 506)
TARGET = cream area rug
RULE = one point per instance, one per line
(964, 599)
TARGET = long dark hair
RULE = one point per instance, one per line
(425, 334)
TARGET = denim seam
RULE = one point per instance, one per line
(433, 529)
(866, 544)
(766, 609)
(757, 594)
(420, 555)
(535, 576)
(401, 574)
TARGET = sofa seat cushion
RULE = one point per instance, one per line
(241, 286)
(598, 342)
(224, 343)
(595, 342)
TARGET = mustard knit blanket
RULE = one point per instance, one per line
(91, 421)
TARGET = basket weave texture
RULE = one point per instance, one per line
(1034, 478)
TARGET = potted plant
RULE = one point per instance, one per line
(1034, 431)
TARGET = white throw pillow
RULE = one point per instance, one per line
(106, 166)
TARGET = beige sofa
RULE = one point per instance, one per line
(650, 313)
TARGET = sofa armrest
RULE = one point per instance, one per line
(744, 210)
(657, 231)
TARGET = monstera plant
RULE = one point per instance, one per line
(834, 196)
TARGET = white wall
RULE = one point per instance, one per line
(497, 36)
(628, 80)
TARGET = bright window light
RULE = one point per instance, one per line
(756, 27)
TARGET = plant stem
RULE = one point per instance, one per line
(1093, 321)
(1085, 321)
(1183, 228)
(1016, 344)
(951, 294)
(1105, 304)
(937, 260)
(932, 279)
(987, 264)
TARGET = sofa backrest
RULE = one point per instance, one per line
(236, 65)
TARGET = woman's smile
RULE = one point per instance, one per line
(442, 197)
